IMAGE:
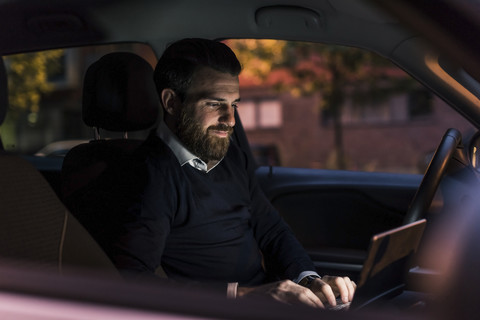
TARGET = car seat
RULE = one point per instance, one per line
(36, 230)
(120, 96)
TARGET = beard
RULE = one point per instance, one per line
(199, 141)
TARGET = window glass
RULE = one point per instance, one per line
(248, 115)
(45, 98)
(265, 113)
(322, 106)
(270, 114)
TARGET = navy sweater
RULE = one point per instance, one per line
(207, 227)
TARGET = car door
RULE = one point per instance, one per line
(334, 213)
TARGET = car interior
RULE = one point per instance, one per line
(52, 207)
(38, 230)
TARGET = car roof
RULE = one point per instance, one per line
(40, 24)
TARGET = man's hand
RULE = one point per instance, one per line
(328, 288)
(322, 291)
(284, 291)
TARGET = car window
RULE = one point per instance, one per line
(332, 107)
(45, 98)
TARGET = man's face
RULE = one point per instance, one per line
(206, 119)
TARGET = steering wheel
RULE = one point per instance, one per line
(434, 173)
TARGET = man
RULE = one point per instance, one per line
(196, 208)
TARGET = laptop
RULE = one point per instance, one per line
(388, 260)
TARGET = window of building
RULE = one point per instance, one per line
(63, 72)
(393, 110)
(261, 114)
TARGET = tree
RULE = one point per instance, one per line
(28, 75)
(335, 72)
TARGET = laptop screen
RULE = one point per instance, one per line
(388, 260)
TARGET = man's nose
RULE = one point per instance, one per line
(228, 116)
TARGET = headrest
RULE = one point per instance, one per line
(119, 93)
(3, 91)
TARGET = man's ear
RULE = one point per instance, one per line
(170, 100)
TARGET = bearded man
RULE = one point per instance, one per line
(197, 210)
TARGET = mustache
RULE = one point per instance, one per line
(221, 127)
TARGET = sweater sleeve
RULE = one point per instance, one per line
(284, 256)
(145, 213)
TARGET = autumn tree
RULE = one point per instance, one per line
(337, 73)
(27, 82)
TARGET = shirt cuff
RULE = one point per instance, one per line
(305, 274)
(232, 290)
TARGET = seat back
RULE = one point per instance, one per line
(35, 227)
(119, 95)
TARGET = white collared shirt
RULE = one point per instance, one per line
(182, 154)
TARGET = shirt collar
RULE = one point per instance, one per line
(182, 154)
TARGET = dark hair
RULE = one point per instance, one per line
(178, 63)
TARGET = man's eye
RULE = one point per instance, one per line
(213, 104)
(234, 106)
